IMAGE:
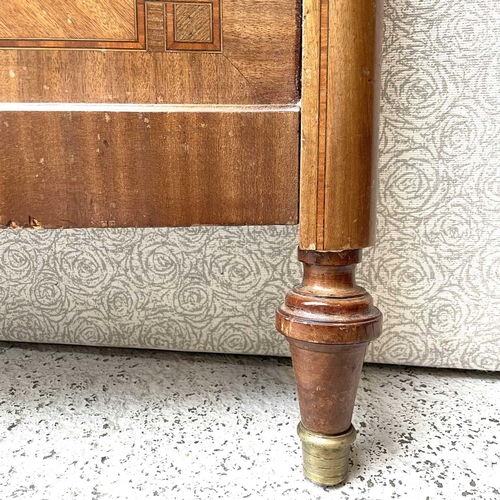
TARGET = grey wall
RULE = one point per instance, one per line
(436, 267)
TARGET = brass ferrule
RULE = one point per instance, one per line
(326, 458)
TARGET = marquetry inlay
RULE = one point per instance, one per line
(193, 25)
(156, 27)
(153, 25)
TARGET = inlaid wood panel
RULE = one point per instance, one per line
(184, 52)
(77, 19)
(175, 168)
(193, 22)
(81, 24)
(194, 124)
(193, 26)
(156, 36)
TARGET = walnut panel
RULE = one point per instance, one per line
(106, 169)
(78, 19)
(252, 58)
(192, 25)
(79, 24)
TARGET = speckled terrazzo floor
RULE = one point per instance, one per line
(90, 423)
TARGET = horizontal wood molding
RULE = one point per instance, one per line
(149, 169)
(340, 89)
(145, 108)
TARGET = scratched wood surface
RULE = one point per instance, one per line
(121, 169)
(120, 162)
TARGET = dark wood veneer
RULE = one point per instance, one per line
(119, 169)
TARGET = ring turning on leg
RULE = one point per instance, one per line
(328, 321)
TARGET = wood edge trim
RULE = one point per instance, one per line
(309, 152)
(146, 108)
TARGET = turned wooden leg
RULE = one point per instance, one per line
(328, 321)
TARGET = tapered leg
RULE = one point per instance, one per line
(328, 321)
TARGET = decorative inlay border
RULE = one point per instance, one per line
(156, 33)
(183, 25)
(193, 26)
(37, 43)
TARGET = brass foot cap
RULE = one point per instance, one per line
(326, 458)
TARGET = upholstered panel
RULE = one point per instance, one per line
(201, 289)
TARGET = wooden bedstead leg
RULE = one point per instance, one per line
(328, 321)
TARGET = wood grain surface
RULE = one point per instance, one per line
(194, 27)
(341, 81)
(193, 23)
(78, 19)
(257, 63)
(106, 169)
